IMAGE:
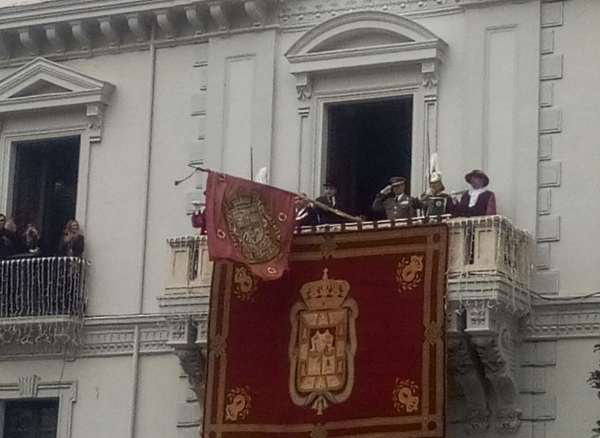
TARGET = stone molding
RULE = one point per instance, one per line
(32, 387)
(115, 336)
(563, 319)
(72, 29)
(66, 29)
(46, 85)
(317, 51)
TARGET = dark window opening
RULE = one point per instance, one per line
(45, 188)
(31, 418)
(368, 143)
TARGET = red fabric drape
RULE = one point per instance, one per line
(349, 342)
(250, 223)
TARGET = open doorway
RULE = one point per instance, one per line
(45, 187)
(368, 143)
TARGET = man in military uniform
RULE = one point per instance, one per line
(435, 201)
(394, 201)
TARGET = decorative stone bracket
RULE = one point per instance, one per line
(482, 345)
(429, 71)
(304, 86)
(95, 116)
(187, 337)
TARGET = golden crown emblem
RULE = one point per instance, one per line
(325, 293)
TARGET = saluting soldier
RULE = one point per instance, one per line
(394, 201)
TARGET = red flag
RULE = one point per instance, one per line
(250, 223)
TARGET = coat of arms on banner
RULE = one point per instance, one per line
(323, 344)
(249, 223)
(252, 228)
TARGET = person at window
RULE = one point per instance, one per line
(435, 202)
(478, 200)
(331, 199)
(72, 244)
(11, 225)
(199, 217)
(306, 215)
(31, 238)
(394, 201)
(9, 241)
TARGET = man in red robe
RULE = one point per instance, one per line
(477, 201)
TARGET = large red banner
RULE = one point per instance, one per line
(348, 343)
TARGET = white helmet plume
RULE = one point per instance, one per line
(435, 174)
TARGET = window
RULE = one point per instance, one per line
(368, 142)
(45, 187)
(31, 418)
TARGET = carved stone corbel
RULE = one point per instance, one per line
(494, 336)
(464, 367)
(109, 29)
(303, 86)
(28, 386)
(195, 18)
(81, 33)
(30, 40)
(138, 26)
(184, 335)
(429, 71)
(218, 14)
(95, 116)
(165, 20)
(257, 11)
(55, 37)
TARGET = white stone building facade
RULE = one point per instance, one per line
(143, 88)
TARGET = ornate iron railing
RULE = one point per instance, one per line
(43, 287)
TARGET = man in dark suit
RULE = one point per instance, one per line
(331, 199)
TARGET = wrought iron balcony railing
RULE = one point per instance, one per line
(33, 288)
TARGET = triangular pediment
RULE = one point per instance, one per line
(40, 88)
(46, 84)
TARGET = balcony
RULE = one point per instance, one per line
(489, 271)
(42, 299)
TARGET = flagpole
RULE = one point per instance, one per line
(331, 209)
(300, 196)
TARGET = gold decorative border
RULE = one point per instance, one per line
(382, 244)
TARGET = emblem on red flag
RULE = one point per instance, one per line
(250, 223)
(323, 344)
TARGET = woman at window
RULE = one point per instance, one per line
(72, 244)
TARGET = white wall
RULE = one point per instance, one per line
(576, 149)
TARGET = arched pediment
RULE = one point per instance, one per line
(361, 39)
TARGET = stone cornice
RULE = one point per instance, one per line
(106, 336)
(304, 12)
(64, 29)
(563, 319)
